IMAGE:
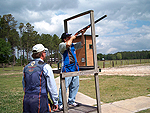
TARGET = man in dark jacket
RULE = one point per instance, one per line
(38, 81)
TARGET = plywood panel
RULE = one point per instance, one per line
(85, 58)
(89, 51)
(80, 53)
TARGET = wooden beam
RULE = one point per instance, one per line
(80, 73)
(78, 15)
(65, 26)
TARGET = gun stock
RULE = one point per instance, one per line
(85, 28)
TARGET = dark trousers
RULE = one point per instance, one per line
(31, 104)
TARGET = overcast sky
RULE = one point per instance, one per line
(126, 27)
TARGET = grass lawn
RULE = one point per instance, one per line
(144, 111)
(10, 69)
(112, 88)
(115, 88)
(11, 93)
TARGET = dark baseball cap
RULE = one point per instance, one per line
(64, 35)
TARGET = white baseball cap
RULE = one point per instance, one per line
(38, 48)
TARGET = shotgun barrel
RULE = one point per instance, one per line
(80, 31)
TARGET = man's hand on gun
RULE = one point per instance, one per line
(82, 31)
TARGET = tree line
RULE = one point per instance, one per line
(125, 55)
(23, 40)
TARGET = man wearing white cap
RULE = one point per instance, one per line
(38, 81)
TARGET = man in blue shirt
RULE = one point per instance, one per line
(38, 81)
(69, 64)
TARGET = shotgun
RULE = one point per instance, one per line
(85, 28)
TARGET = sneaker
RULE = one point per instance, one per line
(60, 107)
(74, 104)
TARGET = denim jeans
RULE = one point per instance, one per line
(73, 84)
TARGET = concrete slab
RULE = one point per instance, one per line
(127, 106)
(84, 99)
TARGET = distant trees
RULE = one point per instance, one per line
(125, 55)
(8, 31)
(119, 56)
(5, 51)
(21, 42)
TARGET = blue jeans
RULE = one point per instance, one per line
(73, 84)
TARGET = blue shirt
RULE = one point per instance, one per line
(51, 84)
(62, 48)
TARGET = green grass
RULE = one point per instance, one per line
(144, 111)
(11, 94)
(10, 68)
(16, 69)
(115, 88)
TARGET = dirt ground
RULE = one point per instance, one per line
(131, 70)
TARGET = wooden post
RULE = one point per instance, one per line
(3, 66)
(63, 93)
(112, 63)
(12, 66)
(93, 39)
(97, 93)
(104, 64)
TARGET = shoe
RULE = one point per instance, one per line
(60, 107)
(74, 104)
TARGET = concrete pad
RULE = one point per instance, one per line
(127, 106)
(84, 99)
(109, 108)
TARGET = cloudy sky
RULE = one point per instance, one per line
(126, 27)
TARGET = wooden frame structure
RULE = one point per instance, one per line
(94, 70)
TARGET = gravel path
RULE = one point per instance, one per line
(133, 70)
